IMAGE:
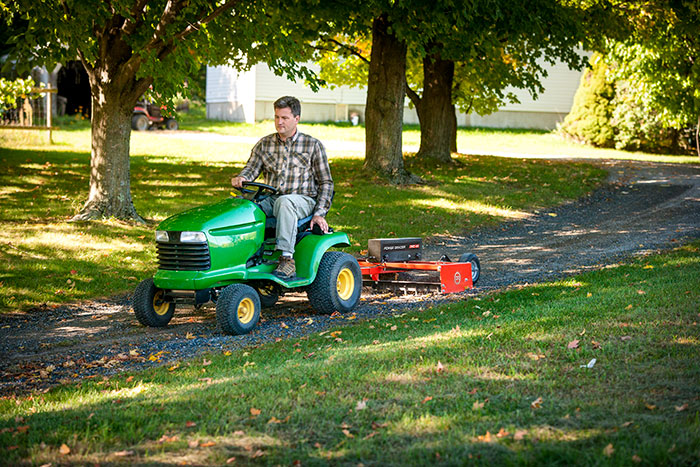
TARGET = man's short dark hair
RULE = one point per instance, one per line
(289, 102)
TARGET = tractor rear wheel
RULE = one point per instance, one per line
(238, 309)
(337, 285)
(149, 306)
(476, 266)
(139, 122)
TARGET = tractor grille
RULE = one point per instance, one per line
(175, 256)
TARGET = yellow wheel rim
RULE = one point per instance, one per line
(159, 306)
(246, 310)
(345, 284)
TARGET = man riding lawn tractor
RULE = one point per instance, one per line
(246, 251)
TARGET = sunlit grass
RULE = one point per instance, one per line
(489, 381)
(44, 186)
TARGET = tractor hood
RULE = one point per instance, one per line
(231, 212)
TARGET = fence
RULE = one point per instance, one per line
(31, 113)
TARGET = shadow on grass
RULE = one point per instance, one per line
(379, 395)
(42, 190)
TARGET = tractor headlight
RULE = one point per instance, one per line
(162, 236)
(193, 237)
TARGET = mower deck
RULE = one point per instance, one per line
(432, 276)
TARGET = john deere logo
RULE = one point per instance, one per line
(458, 277)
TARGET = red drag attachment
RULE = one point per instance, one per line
(394, 264)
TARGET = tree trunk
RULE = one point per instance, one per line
(385, 99)
(110, 177)
(697, 137)
(435, 111)
(453, 137)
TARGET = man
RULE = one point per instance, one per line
(295, 164)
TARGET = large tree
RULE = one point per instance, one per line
(464, 55)
(129, 46)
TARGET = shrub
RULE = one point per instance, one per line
(590, 118)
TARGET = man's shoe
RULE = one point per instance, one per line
(286, 268)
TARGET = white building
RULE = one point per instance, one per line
(248, 97)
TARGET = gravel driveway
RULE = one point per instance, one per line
(645, 207)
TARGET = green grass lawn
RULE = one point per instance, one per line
(490, 381)
(45, 259)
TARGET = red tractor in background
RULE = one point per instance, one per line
(147, 115)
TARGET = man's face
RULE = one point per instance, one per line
(285, 122)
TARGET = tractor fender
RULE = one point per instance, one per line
(310, 250)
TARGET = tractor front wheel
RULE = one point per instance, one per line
(150, 307)
(238, 309)
(337, 285)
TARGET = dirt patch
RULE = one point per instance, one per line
(645, 207)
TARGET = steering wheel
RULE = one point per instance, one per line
(263, 191)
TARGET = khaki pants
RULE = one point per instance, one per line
(287, 209)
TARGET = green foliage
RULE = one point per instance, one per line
(660, 59)
(13, 90)
(589, 119)
(637, 125)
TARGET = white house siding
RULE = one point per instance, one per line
(230, 94)
(340, 103)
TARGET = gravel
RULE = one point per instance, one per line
(644, 208)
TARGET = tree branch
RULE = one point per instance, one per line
(192, 27)
(413, 95)
(136, 18)
(352, 50)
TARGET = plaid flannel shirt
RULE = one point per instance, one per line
(296, 166)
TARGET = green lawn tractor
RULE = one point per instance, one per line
(225, 253)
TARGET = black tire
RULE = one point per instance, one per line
(149, 307)
(171, 124)
(238, 309)
(476, 265)
(337, 285)
(268, 295)
(139, 122)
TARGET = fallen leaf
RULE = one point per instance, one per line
(537, 403)
(64, 449)
(361, 405)
(123, 453)
(347, 433)
(258, 453)
(371, 435)
(485, 438)
(206, 362)
(228, 354)
(190, 336)
(628, 307)
(193, 443)
(625, 338)
(208, 444)
(641, 292)
(478, 405)
(473, 391)
(626, 424)
(427, 398)
(573, 344)
(254, 412)
(519, 434)
(190, 424)
(25, 428)
(393, 328)
(502, 433)
(636, 459)
(230, 460)
(650, 406)
(440, 368)
(679, 408)
(608, 450)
